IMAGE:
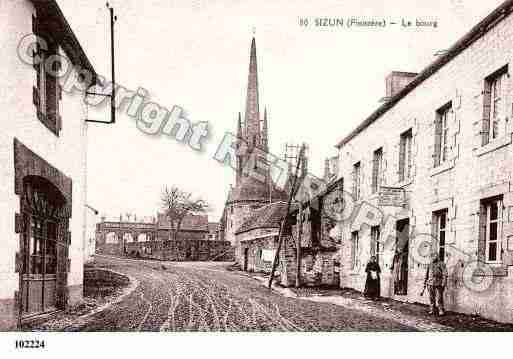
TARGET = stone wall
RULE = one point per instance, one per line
(180, 250)
(254, 249)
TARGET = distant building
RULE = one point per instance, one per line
(192, 227)
(154, 240)
(43, 156)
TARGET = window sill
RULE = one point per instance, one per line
(498, 270)
(492, 146)
(446, 166)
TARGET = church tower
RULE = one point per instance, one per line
(249, 193)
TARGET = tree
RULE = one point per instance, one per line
(177, 204)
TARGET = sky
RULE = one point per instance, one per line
(317, 83)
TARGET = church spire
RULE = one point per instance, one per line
(252, 116)
(239, 159)
(265, 138)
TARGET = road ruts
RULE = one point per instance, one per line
(204, 296)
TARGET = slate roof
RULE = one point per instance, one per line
(464, 42)
(51, 14)
(269, 216)
(251, 189)
(189, 223)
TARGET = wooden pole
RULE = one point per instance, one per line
(298, 244)
(284, 220)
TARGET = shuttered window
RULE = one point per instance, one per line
(357, 181)
(354, 249)
(47, 93)
(405, 155)
(377, 165)
(439, 231)
(442, 134)
(492, 226)
(494, 106)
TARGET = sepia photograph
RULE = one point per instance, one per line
(226, 168)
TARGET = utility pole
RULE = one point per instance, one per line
(285, 219)
(112, 95)
(299, 222)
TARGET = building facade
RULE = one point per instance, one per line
(43, 155)
(431, 170)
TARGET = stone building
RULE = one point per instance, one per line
(43, 159)
(431, 170)
(250, 192)
(258, 237)
(192, 227)
(153, 240)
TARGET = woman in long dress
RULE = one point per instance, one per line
(373, 282)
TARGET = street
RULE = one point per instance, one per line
(205, 296)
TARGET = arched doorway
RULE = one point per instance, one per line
(44, 247)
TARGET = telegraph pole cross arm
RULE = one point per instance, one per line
(112, 95)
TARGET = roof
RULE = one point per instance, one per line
(474, 34)
(251, 189)
(269, 216)
(52, 14)
(189, 223)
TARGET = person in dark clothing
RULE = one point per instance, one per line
(373, 283)
(436, 282)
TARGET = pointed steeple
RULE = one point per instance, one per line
(252, 116)
(265, 138)
(239, 157)
(239, 127)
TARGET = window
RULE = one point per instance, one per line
(47, 93)
(494, 107)
(354, 250)
(357, 181)
(375, 245)
(377, 164)
(492, 230)
(439, 231)
(441, 134)
(405, 160)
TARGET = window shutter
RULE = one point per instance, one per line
(454, 129)
(410, 158)
(481, 244)
(375, 173)
(402, 154)
(353, 251)
(506, 99)
(35, 97)
(485, 130)
(507, 228)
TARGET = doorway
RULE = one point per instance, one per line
(400, 261)
(246, 255)
(44, 252)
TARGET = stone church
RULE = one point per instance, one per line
(249, 192)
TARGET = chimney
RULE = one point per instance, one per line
(396, 81)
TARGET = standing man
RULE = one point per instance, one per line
(436, 281)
